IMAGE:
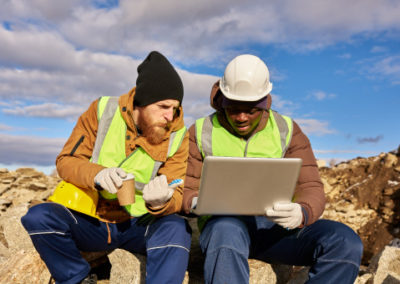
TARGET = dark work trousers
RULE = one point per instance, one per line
(331, 249)
(59, 234)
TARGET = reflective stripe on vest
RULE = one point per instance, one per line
(109, 153)
(271, 142)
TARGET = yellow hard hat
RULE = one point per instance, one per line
(75, 198)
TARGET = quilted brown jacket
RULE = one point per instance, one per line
(309, 192)
(73, 163)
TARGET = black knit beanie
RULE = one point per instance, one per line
(157, 80)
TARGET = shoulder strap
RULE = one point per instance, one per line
(284, 130)
(105, 117)
(175, 141)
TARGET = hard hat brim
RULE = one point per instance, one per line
(245, 98)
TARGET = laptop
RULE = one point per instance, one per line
(245, 186)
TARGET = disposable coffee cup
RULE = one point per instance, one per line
(126, 194)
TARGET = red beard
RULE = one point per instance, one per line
(155, 133)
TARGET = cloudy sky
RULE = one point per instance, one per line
(335, 65)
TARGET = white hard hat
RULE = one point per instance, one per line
(246, 78)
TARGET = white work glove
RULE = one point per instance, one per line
(110, 179)
(157, 191)
(287, 215)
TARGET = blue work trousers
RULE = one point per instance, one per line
(331, 249)
(59, 234)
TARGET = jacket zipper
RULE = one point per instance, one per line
(77, 145)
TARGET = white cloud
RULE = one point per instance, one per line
(378, 49)
(39, 9)
(321, 95)
(195, 32)
(5, 127)
(342, 151)
(314, 127)
(49, 110)
(389, 66)
(95, 75)
(345, 56)
(35, 48)
(283, 106)
(29, 149)
(196, 101)
(383, 68)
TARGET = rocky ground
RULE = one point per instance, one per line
(363, 193)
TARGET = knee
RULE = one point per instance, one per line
(173, 227)
(226, 226)
(40, 216)
(176, 224)
(33, 215)
(227, 233)
(350, 241)
(341, 237)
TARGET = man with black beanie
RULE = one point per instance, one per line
(139, 134)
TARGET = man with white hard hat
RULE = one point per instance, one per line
(289, 233)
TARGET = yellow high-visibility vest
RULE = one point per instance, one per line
(271, 142)
(109, 151)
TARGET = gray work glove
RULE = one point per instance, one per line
(287, 215)
(157, 192)
(110, 179)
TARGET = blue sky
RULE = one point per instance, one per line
(335, 65)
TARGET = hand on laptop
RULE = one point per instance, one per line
(287, 215)
(158, 191)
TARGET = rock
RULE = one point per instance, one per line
(364, 279)
(24, 267)
(127, 268)
(321, 163)
(261, 272)
(300, 276)
(14, 233)
(386, 266)
(38, 186)
(390, 160)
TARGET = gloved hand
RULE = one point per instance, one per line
(193, 205)
(157, 191)
(287, 215)
(110, 179)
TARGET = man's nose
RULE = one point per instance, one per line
(242, 116)
(169, 115)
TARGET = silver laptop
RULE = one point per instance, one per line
(245, 186)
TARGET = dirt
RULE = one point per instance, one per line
(369, 183)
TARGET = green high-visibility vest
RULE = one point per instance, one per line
(109, 151)
(271, 142)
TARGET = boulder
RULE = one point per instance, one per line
(24, 267)
(386, 266)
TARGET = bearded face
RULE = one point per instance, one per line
(155, 120)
